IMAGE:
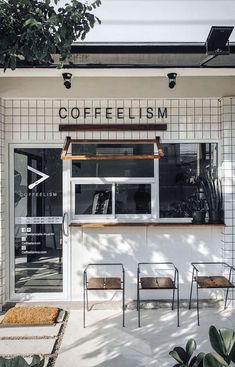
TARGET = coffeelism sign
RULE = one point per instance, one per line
(114, 113)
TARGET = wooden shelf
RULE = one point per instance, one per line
(102, 225)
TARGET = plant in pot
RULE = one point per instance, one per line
(212, 191)
(221, 340)
(197, 207)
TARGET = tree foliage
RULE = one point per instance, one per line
(34, 30)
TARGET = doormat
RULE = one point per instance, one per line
(26, 315)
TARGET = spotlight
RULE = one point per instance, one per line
(67, 80)
(172, 80)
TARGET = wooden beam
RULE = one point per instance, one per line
(112, 127)
(142, 224)
(65, 148)
(112, 141)
(108, 157)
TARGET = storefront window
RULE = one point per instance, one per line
(93, 199)
(179, 194)
(112, 168)
(133, 199)
(139, 189)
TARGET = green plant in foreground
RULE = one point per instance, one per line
(223, 343)
(35, 30)
(37, 361)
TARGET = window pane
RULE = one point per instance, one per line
(38, 218)
(93, 199)
(133, 199)
(115, 168)
(208, 158)
(178, 169)
(177, 172)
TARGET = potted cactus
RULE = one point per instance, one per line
(223, 343)
(37, 361)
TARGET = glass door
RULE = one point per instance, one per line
(38, 241)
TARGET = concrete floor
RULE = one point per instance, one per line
(105, 343)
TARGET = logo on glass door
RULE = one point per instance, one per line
(43, 177)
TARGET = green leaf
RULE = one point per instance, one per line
(37, 361)
(217, 341)
(191, 347)
(198, 360)
(232, 354)
(228, 337)
(214, 360)
(179, 355)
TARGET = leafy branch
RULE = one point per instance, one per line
(34, 30)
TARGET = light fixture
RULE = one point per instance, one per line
(217, 42)
(67, 80)
(172, 80)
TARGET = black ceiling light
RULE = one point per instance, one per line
(172, 80)
(217, 42)
(67, 80)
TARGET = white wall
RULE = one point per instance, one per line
(37, 120)
(118, 87)
(160, 20)
(129, 246)
(2, 209)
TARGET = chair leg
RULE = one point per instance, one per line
(226, 298)
(87, 302)
(178, 302)
(123, 302)
(198, 322)
(84, 301)
(138, 302)
(173, 300)
(191, 291)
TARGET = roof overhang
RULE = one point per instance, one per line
(88, 56)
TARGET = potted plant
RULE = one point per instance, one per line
(212, 191)
(223, 343)
(197, 207)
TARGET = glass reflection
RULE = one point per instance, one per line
(38, 215)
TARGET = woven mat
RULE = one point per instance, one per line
(26, 315)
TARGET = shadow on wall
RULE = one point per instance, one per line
(133, 245)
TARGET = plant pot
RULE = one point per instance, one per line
(199, 217)
(216, 217)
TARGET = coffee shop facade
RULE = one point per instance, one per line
(58, 215)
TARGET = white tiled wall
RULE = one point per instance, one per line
(2, 208)
(37, 120)
(228, 173)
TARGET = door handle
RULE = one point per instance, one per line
(65, 225)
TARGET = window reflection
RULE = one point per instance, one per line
(178, 170)
(133, 199)
(93, 199)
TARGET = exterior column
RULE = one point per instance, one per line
(228, 180)
(2, 209)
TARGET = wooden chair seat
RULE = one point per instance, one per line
(213, 282)
(157, 283)
(104, 283)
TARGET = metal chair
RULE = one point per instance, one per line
(103, 283)
(158, 283)
(210, 282)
